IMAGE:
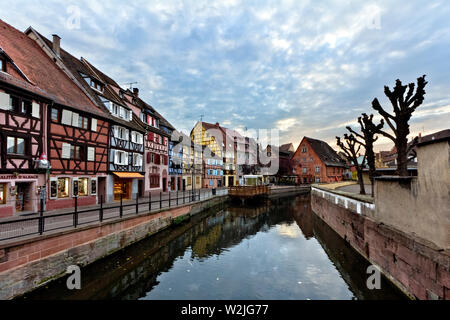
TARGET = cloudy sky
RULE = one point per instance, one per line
(304, 67)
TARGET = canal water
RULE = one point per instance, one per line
(279, 250)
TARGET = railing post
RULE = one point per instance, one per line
(149, 201)
(75, 215)
(101, 208)
(184, 198)
(177, 197)
(41, 217)
(169, 198)
(121, 208)
(160, 199)
(137, 203)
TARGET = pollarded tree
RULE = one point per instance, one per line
(351, 148)
(368, 132)
(404, 106)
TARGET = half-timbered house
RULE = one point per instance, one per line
(156, 142)
(124, 136)
(51, 118)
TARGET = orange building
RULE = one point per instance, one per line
(315, 161)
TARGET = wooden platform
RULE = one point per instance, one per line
(245, 192)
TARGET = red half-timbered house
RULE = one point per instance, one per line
(53, 119)
(124, 137)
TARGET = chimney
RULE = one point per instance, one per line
(217, 124)
(136, 92)
(56, 44)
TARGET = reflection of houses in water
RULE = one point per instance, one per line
(303, 216)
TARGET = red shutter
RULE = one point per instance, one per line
(157, 159)
(148, 119)
(149, 157)
(166, 160)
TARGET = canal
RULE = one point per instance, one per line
(280, 250)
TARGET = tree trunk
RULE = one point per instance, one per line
(402, 146)
(361, 181)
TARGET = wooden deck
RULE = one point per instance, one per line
(245, 192)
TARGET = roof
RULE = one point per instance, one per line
(76, 67)
(327, 154)
(287, 148)
(435, 137)
(43, 76)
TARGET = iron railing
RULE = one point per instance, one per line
(38, 223)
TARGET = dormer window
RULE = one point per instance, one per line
(2, 64)
(96, 85)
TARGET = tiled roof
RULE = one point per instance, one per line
(45, 76)
(325, 153)
(76, 67)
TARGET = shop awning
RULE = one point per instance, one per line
(129, 175)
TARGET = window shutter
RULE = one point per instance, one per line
(149, 157)
(75, 117)
(65, 154)
(116, 157)
(126, 134)
(150, 136)
(116, 131)
(131, 114)
(35, 110)
(94, 124)
(66, 117)
(126, 158)
(91, 154)
(4, 101)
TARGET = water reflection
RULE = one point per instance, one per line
(279, 250)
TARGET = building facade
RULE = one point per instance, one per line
(316, 162)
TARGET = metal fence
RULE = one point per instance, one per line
(40, 223)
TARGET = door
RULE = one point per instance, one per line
(230, 181)
(22, 197)
(184, 185)
(101, 189)
(164, 180)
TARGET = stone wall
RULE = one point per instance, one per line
(28, 264)
(417, 267)
(421, 205)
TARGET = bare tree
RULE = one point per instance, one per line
(368, 132)
(403, 106)
(351, 148)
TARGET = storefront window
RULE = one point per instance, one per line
(63, 187)
(83, 186)
(2, 193)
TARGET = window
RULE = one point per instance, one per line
(63, 187)
(121, 157)
(304, 149)
(137, 159)
(55, 114)
(90, 154)
(83, 184)
(317, 180)
(83, 122)
(317, 169)
(96, 85)
(2, 64)
(76, 152)
(154, 181)
(15, 145)
(93, 186)
(2, 192)
(305, 170)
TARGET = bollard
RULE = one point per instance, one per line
(160, 199)
(41, 217)
(137, 203)
(121, 208)
(75, 215)
(149, 201)
(101, 208)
